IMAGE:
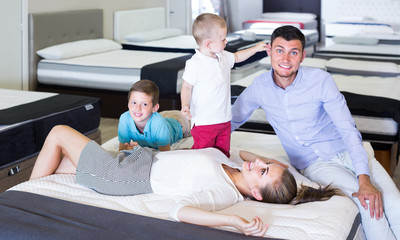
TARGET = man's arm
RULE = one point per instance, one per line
(198, 216)
(244, 54)
(341, 116)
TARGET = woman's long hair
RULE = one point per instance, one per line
(285, 191)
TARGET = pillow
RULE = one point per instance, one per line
(357, 67)
(153, 34)
(78, 48)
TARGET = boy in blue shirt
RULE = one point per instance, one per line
(143, 125)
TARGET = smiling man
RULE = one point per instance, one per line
(311, 118)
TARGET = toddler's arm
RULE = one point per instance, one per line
(186, 94)
(246, 53)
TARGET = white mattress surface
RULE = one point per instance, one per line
(268, 31)
(362, 67)
(388, 87)
(11, 98)
(330, 219)
(379, 49)
(272, 23)
(179, 42)
(356, 28)
(182, 41)
(289, 15)
(119, 59)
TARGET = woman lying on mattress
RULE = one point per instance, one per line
(205, 178)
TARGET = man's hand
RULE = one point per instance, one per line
(368, 192)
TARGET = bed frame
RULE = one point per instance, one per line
(51, 28)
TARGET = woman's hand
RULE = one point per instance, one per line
(255, 227)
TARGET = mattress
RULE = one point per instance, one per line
(276, 19)
(304, 221)
(311, 35)
(347, 66)
(364, 39)
(27, 117)
(114, 70)
(187, 44)
(344, 28)
(262, 23)
(379, 52)
(383, 33)
(146, 29)
(373, 101)
(181, 43)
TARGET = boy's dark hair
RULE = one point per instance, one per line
(148, 87)
(289, 33)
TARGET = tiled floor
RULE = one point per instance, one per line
(109, 130)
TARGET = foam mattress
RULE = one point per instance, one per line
(114, 70)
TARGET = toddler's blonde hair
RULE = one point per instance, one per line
(206, 26)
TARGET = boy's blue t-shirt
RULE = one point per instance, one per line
(159, 131)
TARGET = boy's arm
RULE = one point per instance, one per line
(121, 146)
(127, 146)
(246, 53)
(186, 94)
(165, 148)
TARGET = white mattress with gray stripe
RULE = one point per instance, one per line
(115, 70)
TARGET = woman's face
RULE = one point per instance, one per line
(258, 174)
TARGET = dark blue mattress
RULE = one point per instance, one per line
(36, 119)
